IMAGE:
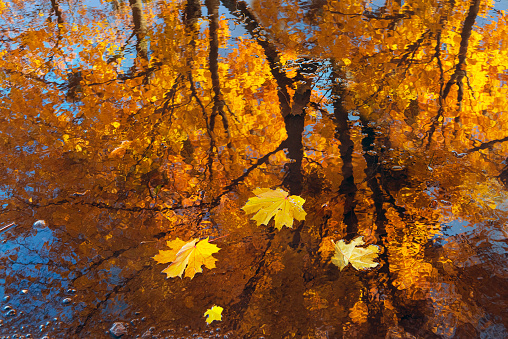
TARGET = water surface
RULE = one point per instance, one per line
(128, 124)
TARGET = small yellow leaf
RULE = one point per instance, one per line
(359, 257)
(276, 203)
(214, 313)
(188, 257)
(115, 124)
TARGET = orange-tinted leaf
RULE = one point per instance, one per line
(187, 256)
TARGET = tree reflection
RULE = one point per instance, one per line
(125, 125)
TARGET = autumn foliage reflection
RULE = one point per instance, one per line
(129, 124)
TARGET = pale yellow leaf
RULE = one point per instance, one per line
(359, 257)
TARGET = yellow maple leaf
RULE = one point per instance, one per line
(187, 256)
(214, 313)
(276, 203)
(360, 257)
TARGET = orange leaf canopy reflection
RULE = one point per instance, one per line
(125, 124)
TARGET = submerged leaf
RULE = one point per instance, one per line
(188, 257)
(359, 312)
(276, 203)
(120, 150)
(214, 313)
(359, 257)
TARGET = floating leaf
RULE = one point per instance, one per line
(214, 313)
(187, 256)
(276, 203)
(360, 257)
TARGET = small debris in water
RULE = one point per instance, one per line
(148, 334)
(118, 329)
(39, 224)
(11, 313)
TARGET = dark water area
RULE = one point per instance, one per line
(127, 127)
